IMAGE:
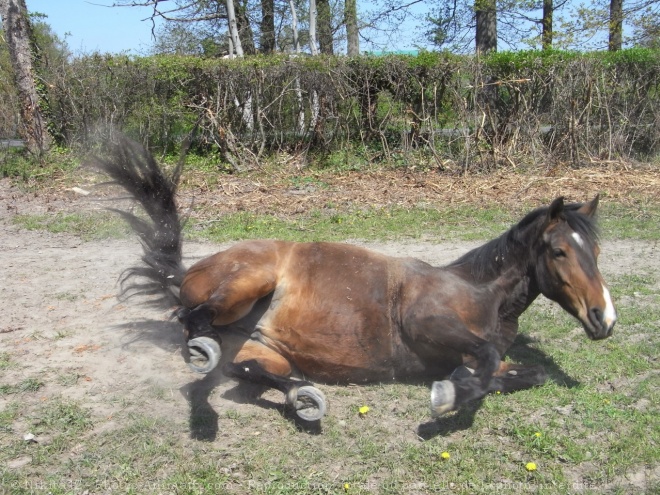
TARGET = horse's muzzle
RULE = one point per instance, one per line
(599, 325)
(204, 354)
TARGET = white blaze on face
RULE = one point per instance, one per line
(610, 313)
(578, 238)
(609, 317)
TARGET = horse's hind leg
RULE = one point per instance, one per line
(259, 364)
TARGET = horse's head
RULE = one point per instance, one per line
(567, 270)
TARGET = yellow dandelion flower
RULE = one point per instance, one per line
(445, 456)
(530, 466)
(363, 410)
(537, 434)
(347, 486)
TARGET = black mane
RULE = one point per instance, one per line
(514, 246)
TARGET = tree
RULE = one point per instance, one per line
(18, 34)
(267, 38)
(616, 26)
(486, 25)
(646, 31)
(245, 32)
(324, 24)
(313, 11)
(233, 30)
(604, 23)
(352, 30)
(546, 23)
(456, 25)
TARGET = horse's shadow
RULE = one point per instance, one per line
(204, 420)
(521, 351)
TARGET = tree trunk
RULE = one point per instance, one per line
(324, 20)
(267, 41)
(486, 35)
(244, 28)
(294, 27)
(616, 25)
(312, 27)
(296, 49)
(17, 31)
(546, 22)
(233, 29)
(352, 33)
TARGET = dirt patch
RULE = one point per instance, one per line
(289, 192)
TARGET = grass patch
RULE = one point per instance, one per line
(464, 224)
(27, 385)
(5, 361)
(60, 416)
(452, 223)
(87, 226)
(32, 174)
(629, 222)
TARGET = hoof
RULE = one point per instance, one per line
(443, 398)
(309, 403)
(204, 354)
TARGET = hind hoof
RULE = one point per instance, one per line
(443, 398)
(309, 403)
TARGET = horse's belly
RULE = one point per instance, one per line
(340, 346)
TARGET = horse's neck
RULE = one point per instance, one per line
(519, 291)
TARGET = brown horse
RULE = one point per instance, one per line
(290, 312)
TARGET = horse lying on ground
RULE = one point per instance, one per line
(290, 312)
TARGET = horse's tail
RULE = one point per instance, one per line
(132, 167)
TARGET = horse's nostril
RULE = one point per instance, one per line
(596, 316)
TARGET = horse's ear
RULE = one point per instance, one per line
(556, 209)
(589, 208)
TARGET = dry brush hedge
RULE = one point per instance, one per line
(512, 107)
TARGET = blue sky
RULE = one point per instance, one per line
(91, 25)
(95, 27)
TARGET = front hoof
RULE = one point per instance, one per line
(309, 403)
(443, 398)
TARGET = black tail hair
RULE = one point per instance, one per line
(132, 167)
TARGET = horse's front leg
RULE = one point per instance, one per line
(448, 395)
(509, 377)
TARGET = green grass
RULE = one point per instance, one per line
(31, 173)
(27, 385)
(451, 223)
(618, 222)
(368, 224)
(87, 226)
(5, 361)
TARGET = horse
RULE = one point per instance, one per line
(289, 314)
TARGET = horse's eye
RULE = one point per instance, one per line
(558, 253)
